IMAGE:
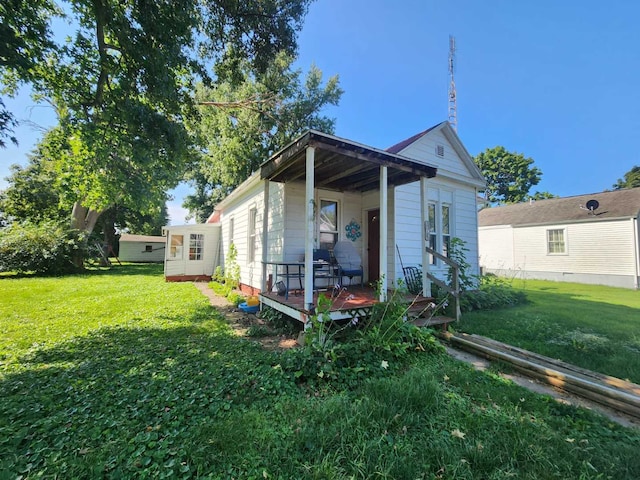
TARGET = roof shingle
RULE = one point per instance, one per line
(614, 204)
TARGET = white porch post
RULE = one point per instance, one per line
(383, 233)
(265, 235)
(308, 238)
(424, 216)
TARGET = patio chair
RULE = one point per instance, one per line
(349, 261)
(413, 279)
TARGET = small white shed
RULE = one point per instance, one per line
(141, 248)
(192, 253)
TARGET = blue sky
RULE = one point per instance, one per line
(556, 81)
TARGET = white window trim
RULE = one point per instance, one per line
(439, 247)
(252, 234)
(201, 249)
(565, 239)
(231, 225)
(338, 230)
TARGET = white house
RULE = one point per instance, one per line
(585, 239)
(141, 248)
(321, 189)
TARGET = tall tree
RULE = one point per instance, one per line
(33, 195)
(121, 84)
(25, 37)
(509, 176)
(631, 179)
(242, 122)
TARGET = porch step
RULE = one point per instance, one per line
(419, 314)
(428, 322)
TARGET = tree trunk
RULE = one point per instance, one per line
(84, 220)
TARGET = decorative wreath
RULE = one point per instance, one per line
(353, 231)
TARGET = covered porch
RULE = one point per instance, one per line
(327, 162)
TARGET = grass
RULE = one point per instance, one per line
(120, 375)
(592, 326)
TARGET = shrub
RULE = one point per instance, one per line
(494, 293)
(44, 248)
(340, 354)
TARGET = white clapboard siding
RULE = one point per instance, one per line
(496, 248)
(424, 151)
(210, 255)
(592, 248)
(141, 248)
(409, 229)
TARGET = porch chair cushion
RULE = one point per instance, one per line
(349, 260)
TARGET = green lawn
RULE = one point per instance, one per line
(120, 375)
(591, 326)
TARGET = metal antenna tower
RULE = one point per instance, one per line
(453, 114)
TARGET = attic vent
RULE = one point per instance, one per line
(440, 150)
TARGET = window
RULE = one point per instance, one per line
(446, 230)
(432, 232)
(175, 247)
(555, 241)
(196, 245)
(440, 150)
(328, 224)
(440, 229)
(252, 239)
(231, 231)
(148, 248)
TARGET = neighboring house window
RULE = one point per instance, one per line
(231, 231)
(328, 226)
(432, 232)
(148, 248)
(252, 240)
(556, 241)
(196, 246)
(446, 230)
(175, 249)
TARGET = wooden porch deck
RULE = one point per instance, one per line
(348, 303)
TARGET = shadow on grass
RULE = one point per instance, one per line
(151, 269)
(124, 399)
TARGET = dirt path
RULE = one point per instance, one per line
(241, 322)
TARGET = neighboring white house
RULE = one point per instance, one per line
(321, 189)
(192, 251)
(141, 248)
(584, 239)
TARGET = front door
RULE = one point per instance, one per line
(373, 244)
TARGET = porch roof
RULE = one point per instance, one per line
(341, 164)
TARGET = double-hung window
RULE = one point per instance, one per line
(433, 229)
(328, 224)
(446, 230)
(556, 241)
(252, 241)
(439, 229)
